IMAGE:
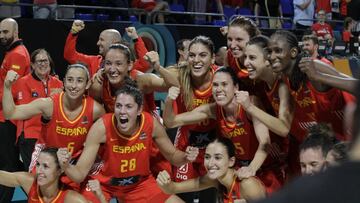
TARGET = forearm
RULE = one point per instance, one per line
(8, 103)
(169, 115)
(75, 174)
(345, 84)
(274, 124)
(178, 158)
(322, 67)
(259, 158)
(70, 47)
(140, 63)
(170, 79)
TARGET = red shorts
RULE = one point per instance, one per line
(189, 170)
(145, 191)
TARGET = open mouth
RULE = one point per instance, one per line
(123, 120)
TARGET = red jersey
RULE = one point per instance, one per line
(34, 195)
(109, 99)
(322, 29)
(331, 106)
(233, 193)
(233, 62)
(17, 59)
(346, 35)
(126, 157)
(199, 98)
(27, 89)
(305, 110)
(148, 5)
(241, 133)
(60, 131)
(94, 62)
(323, 5)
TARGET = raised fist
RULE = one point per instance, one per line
(10, 78)
(77, 26)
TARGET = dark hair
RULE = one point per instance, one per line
(261, 41)
(347, 22)
(123, 49)
(206, 41)
(297, 77)
(79, 66)
(180, 44)
(320, 141)
(130, 88)
(340, 151)
(229, 71)
(52, 152)
(228, 144)
(313, 38)
(247, 24)
(51, 62)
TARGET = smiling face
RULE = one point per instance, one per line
(255, 61)
(199, 58)
(76, 82)
(217, 161)
(47, 171)
(223, 88)
(116, 66)
(237, 38)
(104, 42)
(280, 55)
(41, 65)
(126, 112)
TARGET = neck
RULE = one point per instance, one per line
(231, 110)
(43, 78)
(49, 191)
(269, 77)
(202, 82)
(72, 104)
(290, 69)
(315, 54)
(227, 179)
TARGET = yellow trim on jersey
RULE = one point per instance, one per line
(239, 67)
(136, 134)
(63, 113)
(228, 123)
(52, 201)
(199, 92)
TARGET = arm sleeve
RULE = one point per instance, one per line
(140, 63)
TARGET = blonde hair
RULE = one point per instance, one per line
(185, 83)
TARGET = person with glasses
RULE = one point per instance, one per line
(40, 83)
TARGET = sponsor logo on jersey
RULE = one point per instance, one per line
(184, 168)
(71, 131)
(128, 149)
(16, 67)
(34, 94)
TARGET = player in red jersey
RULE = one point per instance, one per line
(38, 84)
(67, 116)
(106, 38)
(44, 186)
(127, 135)
(248, 134)
(117, 70)
(219, 162)
(195, 80)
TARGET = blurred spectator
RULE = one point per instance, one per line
(349, 23)
(152, 6)
(269, 8)
(326, 6)
(198, 6)
(8, 10)
(321, 29)
(353, 9)
(338, 154)
(44, 9)
(339, 9)
(115, 4)
(182, 49)
(65, 13)
(220, 56)
(304, 13)
(311, 45)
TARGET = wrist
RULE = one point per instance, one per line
(135, 39)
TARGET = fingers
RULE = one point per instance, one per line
(152, 57)
(64, 156)
(245, 172)
(77, 26)
(11, 77)
(191, 153)
(163, 178)
(173, 92)
(94, 185)
(131, 32)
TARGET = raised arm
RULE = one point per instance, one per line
(175, 156)
(192, 185)
(205, 111)
(149, 82)
(16, 179)
(140, 50)
(78, 172)
(42, 106)
(281, 125)
(313, 69)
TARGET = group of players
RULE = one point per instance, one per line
(98, 135)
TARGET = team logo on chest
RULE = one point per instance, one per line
(34, 94)
(142, 136)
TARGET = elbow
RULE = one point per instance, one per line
(169, 124)
(284, 132)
